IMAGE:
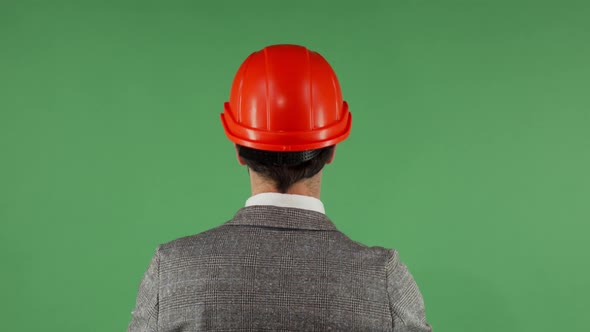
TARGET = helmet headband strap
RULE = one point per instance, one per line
(277, 158)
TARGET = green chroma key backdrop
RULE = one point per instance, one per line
(469, 151)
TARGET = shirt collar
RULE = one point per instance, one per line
(287, 200)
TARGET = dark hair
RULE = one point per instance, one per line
(285, 168)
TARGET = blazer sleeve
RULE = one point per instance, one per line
(405, 299)
(145, 314)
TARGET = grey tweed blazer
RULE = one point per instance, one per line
(276, 268)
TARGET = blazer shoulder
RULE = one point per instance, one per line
(191, 240)
(368, 250)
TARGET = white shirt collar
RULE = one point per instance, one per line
(287, 200)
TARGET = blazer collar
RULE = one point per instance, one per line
(283, 217)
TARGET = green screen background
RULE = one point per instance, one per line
(469, 150)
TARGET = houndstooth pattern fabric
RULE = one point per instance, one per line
(276, 268)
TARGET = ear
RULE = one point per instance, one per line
(332, 157)
(240, 160)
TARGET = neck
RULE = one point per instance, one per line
(307, 187)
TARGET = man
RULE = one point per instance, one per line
(280, 264)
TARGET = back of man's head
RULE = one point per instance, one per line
(283, 176)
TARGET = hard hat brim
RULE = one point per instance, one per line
(286, 141)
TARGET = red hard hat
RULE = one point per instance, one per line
(286, 98)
